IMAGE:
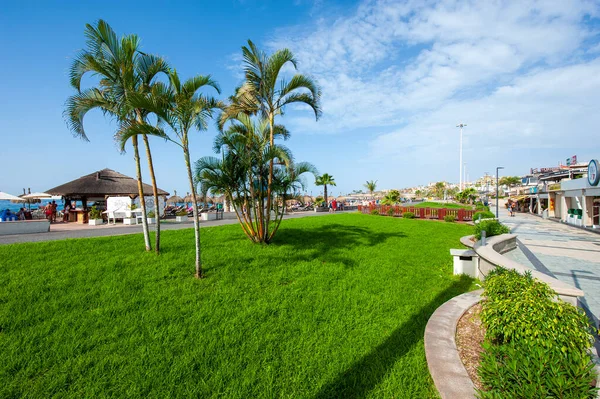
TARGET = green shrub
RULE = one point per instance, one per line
(483, 215)
(521, 308)
(491, 227)
(450, 218)
(390, 212)
(374, 212)
(151, 214)
(408, 215)
(182, 212)
(95, 213)
(522, 371)
(536, 345)
(480, 207)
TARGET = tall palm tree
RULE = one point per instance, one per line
(264, 92)
(371, 186)
(123, 71)
(325, 180)
(183, 108)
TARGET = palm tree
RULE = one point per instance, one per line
(242, 171)
(182, 107)
(391, 198)
(371, 186)
(325, 180)
(439, 189)
(264, 92)
(123, 71)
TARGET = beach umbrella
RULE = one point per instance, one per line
(175, 199)
(10, 197)
(36, 196)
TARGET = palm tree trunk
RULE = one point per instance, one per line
(325, 194)
(155, 191)
(138, 171)
(270, 182)
(186, 155)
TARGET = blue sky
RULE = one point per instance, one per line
(396, 78)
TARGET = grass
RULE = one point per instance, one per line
(441, 205)
(335, 308)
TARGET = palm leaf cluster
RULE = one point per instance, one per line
(122, 72)
(241, 173)
(259, 173)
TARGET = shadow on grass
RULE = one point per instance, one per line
(330, 242)
(366, 373)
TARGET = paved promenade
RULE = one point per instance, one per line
(567, 253)
(61, 231)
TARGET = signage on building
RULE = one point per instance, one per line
(593, 176)
(535, 171)
(572, 160)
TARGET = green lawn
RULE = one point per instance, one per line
(335, 308)
(441, 205)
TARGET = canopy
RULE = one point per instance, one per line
(10, 197)
(103, 183)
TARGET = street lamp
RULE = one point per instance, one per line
(497, 169)
(460, 162)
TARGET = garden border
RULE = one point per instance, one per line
(447, 370)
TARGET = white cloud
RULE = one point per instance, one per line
(391, 60)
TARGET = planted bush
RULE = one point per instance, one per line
(491, 227)
(408, 215)
(374, 212)
(483, 215)
(537, 346)
(390, 212)
(450, 218)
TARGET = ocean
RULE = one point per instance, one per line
(14, 207)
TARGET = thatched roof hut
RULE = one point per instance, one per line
(101, 184)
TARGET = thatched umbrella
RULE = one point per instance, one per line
(175, 199)
(105, 182)
(307, 198)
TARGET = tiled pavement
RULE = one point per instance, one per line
(569, 254)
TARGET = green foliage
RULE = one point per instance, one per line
(151, 214)
(182, 212)
(374, 212)
(522, 371)
(450, 218)
(371, 186)
(536, 345)
(391, 198)
(110, 320)
(390, 212)
(467, 195)
(408, 215)
(481, 207)
(491, 228)
(510, 181)
(95, 213)
(483, 215)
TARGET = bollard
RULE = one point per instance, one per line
(483, 235)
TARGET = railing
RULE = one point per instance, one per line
(460, 215)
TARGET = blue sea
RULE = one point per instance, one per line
(14, 207)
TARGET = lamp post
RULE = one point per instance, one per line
(497, 169)
(460, 162)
